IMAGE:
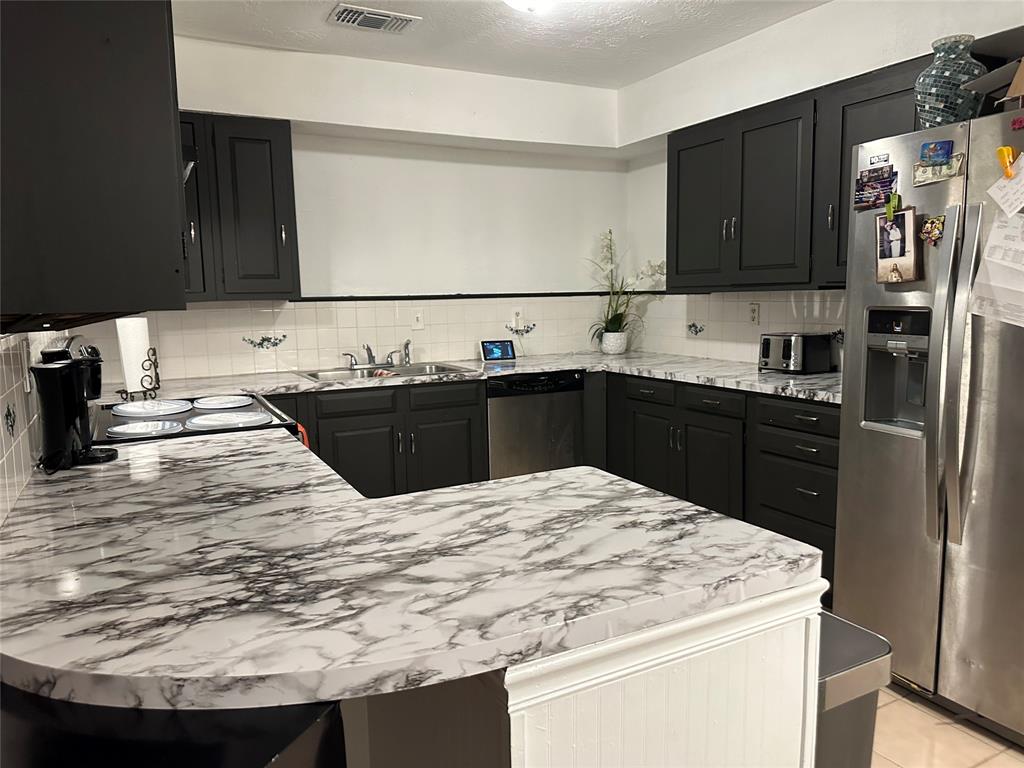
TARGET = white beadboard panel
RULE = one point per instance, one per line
(736, 687)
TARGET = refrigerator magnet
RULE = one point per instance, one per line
(936, 152)
(930, 174)
(896, 251)
(931, 230)
(873, 187)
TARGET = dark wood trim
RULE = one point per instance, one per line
(438, 296)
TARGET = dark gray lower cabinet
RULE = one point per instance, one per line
(791, 478)
(390, 440)
(659, 435)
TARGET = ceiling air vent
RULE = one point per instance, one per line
(345, 15)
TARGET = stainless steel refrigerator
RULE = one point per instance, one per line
(930, 529)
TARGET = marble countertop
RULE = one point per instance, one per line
(825, 388)
(238, 570)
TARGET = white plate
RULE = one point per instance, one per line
(150, 408)
(221, 402)
(229, 420)
(144, 429)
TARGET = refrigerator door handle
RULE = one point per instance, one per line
(934, 444)
(955, 507)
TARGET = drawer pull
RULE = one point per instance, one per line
(805, 448)
(711, 402)
(801, 417)
(806, 492)
(646, 391)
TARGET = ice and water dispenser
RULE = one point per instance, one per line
(897, 366)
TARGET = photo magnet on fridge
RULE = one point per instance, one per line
(936, 152)
(896, 249)
(873, 187)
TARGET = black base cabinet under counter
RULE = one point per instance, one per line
(681, 439)
(396, 439)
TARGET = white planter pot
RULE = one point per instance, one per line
(613, 343)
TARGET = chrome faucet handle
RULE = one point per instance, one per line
(370, 359)
(352, 359)
(390, 360)
(406, 356)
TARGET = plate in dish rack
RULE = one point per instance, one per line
(144, 429)
(222, 402)
(229, 420)
(148, 409)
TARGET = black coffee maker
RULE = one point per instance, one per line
(66, 383)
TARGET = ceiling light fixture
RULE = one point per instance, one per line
(536, 7)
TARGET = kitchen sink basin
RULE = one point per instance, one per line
(369, 372)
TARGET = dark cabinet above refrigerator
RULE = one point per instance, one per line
(92, 168)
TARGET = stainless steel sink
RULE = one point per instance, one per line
(368, 372)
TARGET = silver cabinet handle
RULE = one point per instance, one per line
(831, 218)
(712, 402)
(806, 492)
(192, 230)
(671, 436)
(412, 442)
(679, 439)
(801, 417)
(958, 478)
(732, 229)
(399, 442)
(646, 391)
(284, 236)
(725, 225)
(805, 448)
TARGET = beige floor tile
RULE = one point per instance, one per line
(1008, 759)
(878, 761)
(885, 696)
(960, 723)
(915, 738)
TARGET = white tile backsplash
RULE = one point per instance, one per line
(208, 337)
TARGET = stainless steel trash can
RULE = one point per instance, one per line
(853, 664)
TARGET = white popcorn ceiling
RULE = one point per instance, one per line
(606, 44)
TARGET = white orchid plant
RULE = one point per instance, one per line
(620, 313)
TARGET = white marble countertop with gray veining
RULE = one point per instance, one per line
(238, 570)
(824, 388)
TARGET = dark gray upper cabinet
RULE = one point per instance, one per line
(852, 112)
(739, 199)
(772, 237)
(697, 204)
(256, 207)
(92, 202)
(200, 225)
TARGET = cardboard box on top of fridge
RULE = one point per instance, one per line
(1007, 82)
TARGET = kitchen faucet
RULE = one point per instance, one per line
(370, 359)
(406, 357)
(353, 361)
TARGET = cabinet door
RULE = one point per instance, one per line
(200, 227)
(618, 426)
(256, 197)
(367, 451)
(712, 467)
(865, 108)
(652, 458)
(699, 179)
(92, 199)
(772, 233)
(446, 447)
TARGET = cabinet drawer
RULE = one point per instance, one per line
(375, 400)
(816, 449)
(715, 401)
(651, 391)
(802, 489)
(820, 536)
(425, 396)
(820, 420)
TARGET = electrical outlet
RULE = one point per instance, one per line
(517, 317)
(417, 319)
(755, 313)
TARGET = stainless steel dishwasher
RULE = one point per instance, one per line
(534, 422)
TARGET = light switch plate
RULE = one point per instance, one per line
(755, 313)
(417, 319)
(517, 319)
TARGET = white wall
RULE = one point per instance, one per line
(321, 88)
(383, 218)
(832, 42)
(646, 206)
